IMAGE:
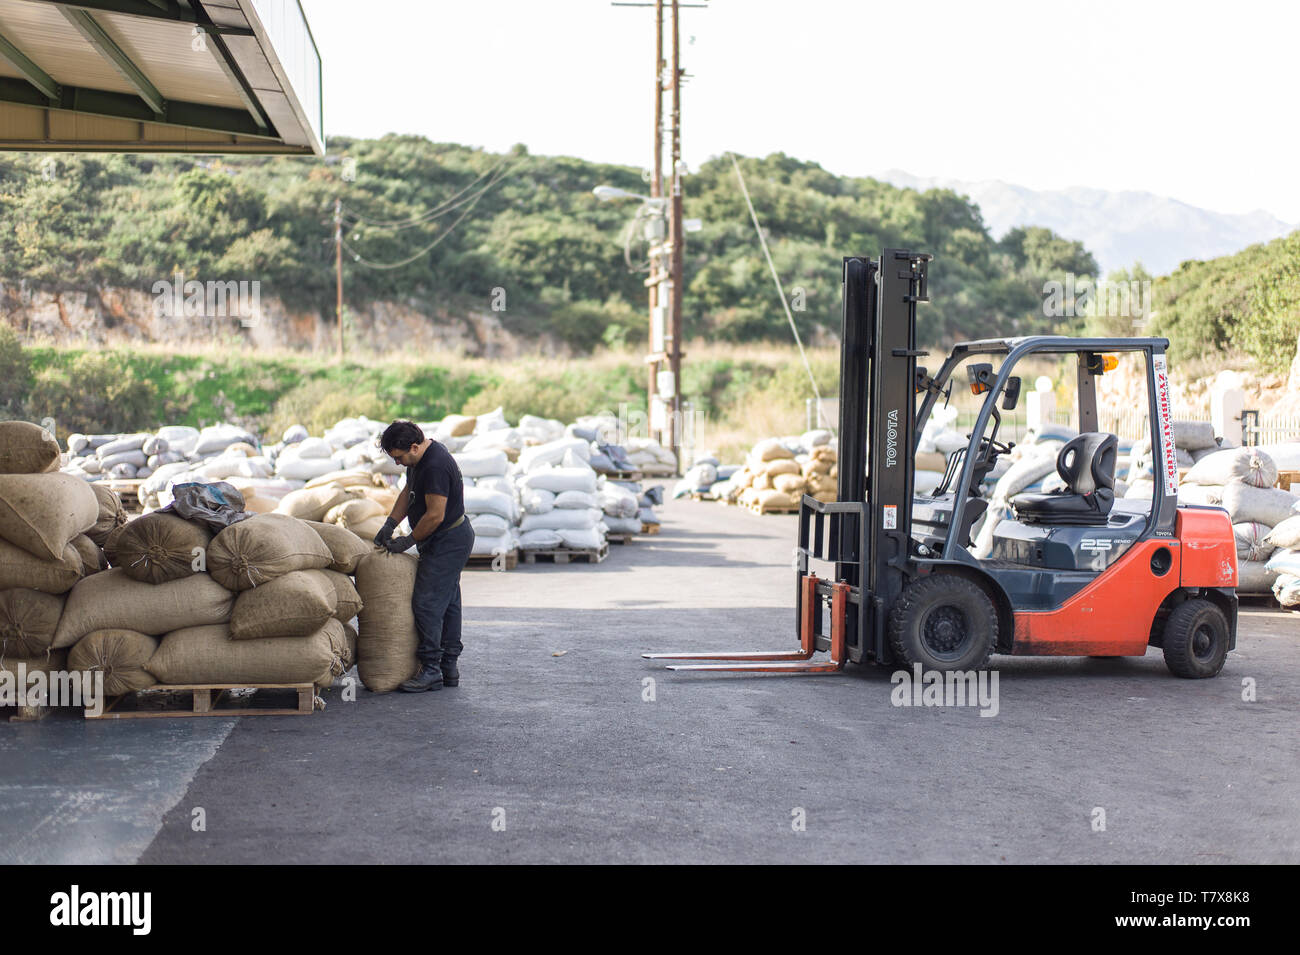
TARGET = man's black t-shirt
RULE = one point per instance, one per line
(435, 473)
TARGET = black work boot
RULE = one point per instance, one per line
(450, 673)
(429, 678)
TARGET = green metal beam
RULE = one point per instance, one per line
(213, 119)
(105, 47)
(149, 9)
(236, 77)
(30, 71)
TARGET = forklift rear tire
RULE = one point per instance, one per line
(1196, 640)
(944, 622)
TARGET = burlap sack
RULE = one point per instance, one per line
(158, 547)
(93, 558)
(120, 654)
(263, 547)
(789, 483)
(259, 505)
(459, 425)
(347, 602)
(1285, 534)
(346, 548)
(294, 605)
(26, 448)
(1252, 541)
(354, 511)
(1247, 465)
(113, 601)
(344, 655)
(386, 638)
(771, 450)
(781, 466)
(41, 513)
(385, 497)
(1264, 505)
(112, 514)
(51, 662)
(208, 655)
(351, 478)
(20, 569)
(368, 528)
(312, 503)
(1253, 577)
(822, 484)
(28, 619)
(350, 636)
(776, 499)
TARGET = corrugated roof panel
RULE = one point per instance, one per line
(165, 53)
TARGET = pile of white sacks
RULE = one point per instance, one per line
(537, 485)
(1265, 519)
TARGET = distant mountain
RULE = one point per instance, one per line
(1118, 228)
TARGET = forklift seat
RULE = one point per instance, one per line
(1087, 465)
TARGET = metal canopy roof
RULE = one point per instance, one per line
(159, 76)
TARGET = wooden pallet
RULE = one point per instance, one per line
(623, 475)
(128, 490)
(166, 700)
(25, 713)
(703, 496)
(1287, 480)
(769, 509)
(489, 560)
(649, 530)
(620, 538)
(563, 555)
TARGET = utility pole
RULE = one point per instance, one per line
(656, 192)
(675, 350)
(666, 252)
(338, 268)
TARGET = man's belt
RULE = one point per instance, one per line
(456, 523)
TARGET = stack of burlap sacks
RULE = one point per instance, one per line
(775, 478)
(268, 599)
(51, 526)
(1265, 519)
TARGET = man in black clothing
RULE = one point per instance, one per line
(433, 502)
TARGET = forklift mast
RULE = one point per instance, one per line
(866, 533)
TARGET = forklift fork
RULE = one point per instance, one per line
(783, 661)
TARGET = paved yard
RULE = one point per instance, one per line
(549, 751)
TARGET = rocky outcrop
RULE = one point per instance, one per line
(241, 317)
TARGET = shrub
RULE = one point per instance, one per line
(94, 394)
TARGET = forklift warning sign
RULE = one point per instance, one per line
(890, 513)
(1168, 455)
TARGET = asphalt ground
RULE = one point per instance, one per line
(556, 749)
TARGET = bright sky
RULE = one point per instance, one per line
(1185, 99)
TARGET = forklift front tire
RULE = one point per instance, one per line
(1196, 640)
(944, 622)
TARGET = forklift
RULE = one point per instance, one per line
(1071, 572)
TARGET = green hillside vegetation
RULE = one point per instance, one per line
(537, 232)
(1248, 302)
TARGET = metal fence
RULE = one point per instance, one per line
(1256, 430)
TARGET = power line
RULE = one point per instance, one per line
(362, 260)
(440, 209)
(762, 240)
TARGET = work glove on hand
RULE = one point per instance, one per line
(385, 532)
(398, 545)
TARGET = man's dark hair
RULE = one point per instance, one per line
(400, 435)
